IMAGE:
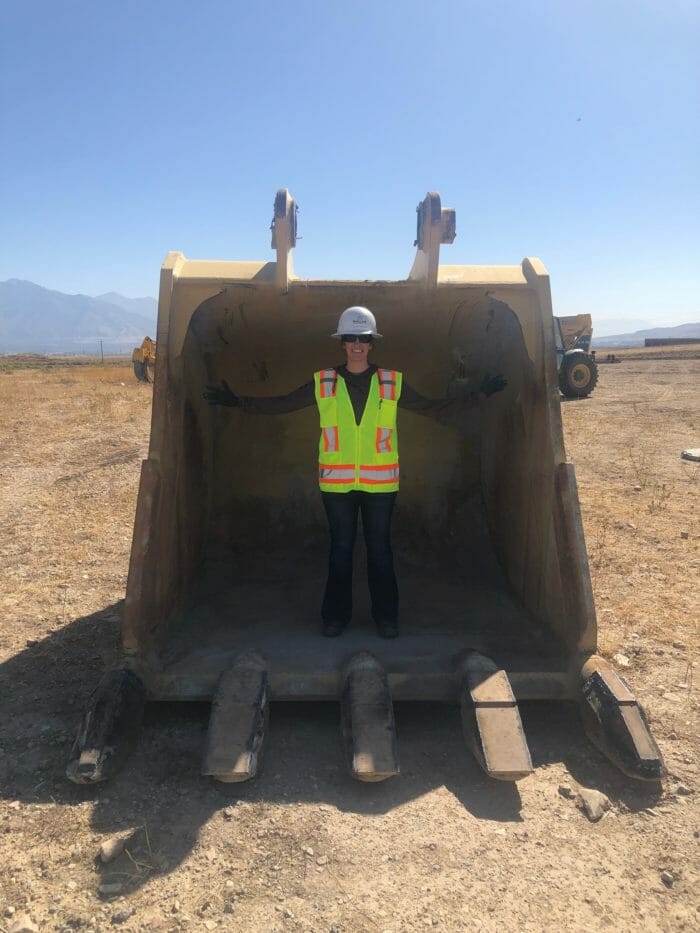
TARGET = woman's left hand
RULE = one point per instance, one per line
(492, 384)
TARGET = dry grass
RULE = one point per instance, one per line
(72, 438)
(640, 500)
(13, 361)
(678, 351)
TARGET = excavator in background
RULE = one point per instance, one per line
(144, 360)
(228, 553)
(576, 331)
(576, 363)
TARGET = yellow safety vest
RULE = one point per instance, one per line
(358, 456)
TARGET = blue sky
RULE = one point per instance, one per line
(567, 130)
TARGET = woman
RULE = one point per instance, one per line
(358, 461)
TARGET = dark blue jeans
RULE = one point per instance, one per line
(342, 509)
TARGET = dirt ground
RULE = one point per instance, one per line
(304, 848)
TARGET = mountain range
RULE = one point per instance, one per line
(39, 320)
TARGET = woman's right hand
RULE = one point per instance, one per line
(225, 396)
(492, 384)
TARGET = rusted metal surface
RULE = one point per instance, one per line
(491, 720)
(238, 722)
(367, 720)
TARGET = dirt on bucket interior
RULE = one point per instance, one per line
(303, 847)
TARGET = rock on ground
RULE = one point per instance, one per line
(593, 803)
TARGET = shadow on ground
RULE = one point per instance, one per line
(163, 801)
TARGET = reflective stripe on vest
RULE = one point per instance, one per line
(387, 384)
(343, 474)
(330, 439)
(384, 440)
(380, 475)
(328, 382)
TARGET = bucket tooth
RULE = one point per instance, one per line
(616, 723)
(367, 716)
(238, 722)
(109, 728)
(491, 720)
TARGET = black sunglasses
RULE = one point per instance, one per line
(351, 338)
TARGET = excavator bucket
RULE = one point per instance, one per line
(229, 551)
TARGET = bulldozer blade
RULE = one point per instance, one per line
(491, 720)
(367, 717)
(109, 728)
(238, 722)
(616, 723)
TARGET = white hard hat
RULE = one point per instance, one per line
(356, 320)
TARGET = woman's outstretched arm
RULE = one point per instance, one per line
(303, 397)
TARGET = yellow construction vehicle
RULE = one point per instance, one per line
(576, 363)
(144, 360)
(576, 331)
(228, 553)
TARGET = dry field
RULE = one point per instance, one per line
(678, 351)
(303, 848)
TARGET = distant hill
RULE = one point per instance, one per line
(38, 320)
(618, 326)
(148, 307)
(637, 338)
